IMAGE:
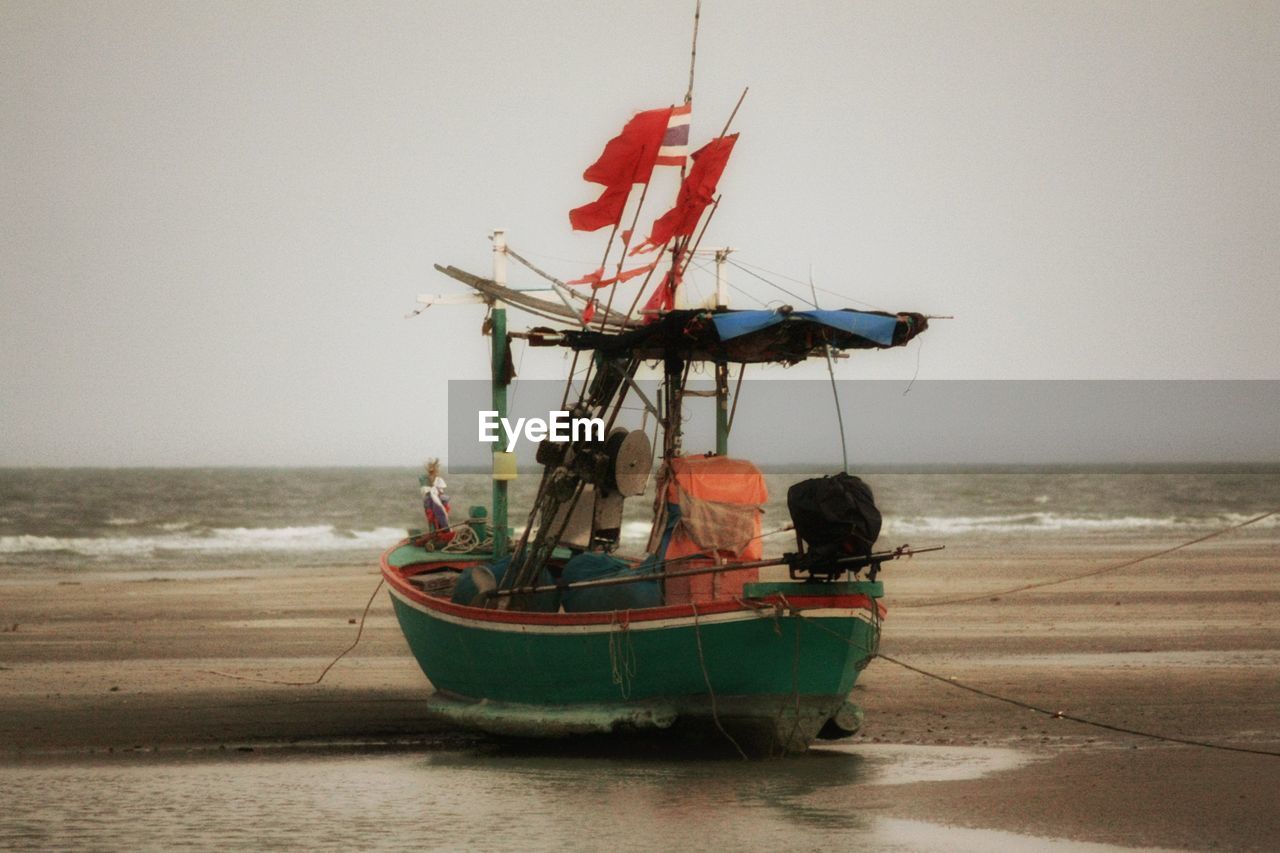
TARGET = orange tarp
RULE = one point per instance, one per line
(721, 500)
(717, 478)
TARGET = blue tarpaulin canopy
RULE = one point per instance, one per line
(873, 327)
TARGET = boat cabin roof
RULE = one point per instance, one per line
(724, 335)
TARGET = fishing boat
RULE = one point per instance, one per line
(553, 633)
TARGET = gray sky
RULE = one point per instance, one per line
(214, 216)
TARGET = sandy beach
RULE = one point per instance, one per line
(1186, 646)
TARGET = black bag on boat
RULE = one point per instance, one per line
(835, 515)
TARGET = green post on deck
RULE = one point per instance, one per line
(499, 383)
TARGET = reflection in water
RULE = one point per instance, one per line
(483, 797)
(641, 794)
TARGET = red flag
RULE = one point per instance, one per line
(697, 191)
(631, 273)
(589, 312)
(629, 156)
(663, 298)
(594, 278)
(603, 212)
(627, 159)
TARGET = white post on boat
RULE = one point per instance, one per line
(721, 297)
(718, 301)
(500, 256)
(722, 277)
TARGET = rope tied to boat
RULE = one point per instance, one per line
(465, 540)
(359, 632)
(622, 653)
(863, 663)
(711, 692)
(795, 681)
(1094, 572)
(1057, 715)
(468, 542)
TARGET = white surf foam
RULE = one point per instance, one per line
(326, 537)
(221, 540)
(1048, 522)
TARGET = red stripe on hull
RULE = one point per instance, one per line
(398, 578)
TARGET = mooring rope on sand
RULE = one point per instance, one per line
(1057, 715)
(1092, 573)
(1063, 715)
(323, 672)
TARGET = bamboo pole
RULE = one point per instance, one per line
(626, 244)
(741, 98)
(880, 557)
(693, 51)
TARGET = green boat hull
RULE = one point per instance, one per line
(772, 671)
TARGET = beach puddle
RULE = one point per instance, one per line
(490, 798)
(910, 835)
(893, 764)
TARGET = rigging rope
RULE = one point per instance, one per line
(914, 376)
(835, 392)
(823, 289)
(770, 283)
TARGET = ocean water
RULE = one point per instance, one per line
(181, 520)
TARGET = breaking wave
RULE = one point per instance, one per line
(228, 540)
(1048, 522)
(1032, 523)
(178, 538)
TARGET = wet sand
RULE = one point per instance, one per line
(1187, 645)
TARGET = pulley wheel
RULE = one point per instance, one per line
(630, 459)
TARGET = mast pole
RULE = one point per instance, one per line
(693, 51)
(498, 381)
(626, 244)
(722, 409)
(688, 99)
(722, 368)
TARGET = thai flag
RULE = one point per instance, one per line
(675, 143)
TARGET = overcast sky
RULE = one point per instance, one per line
(214, 216)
